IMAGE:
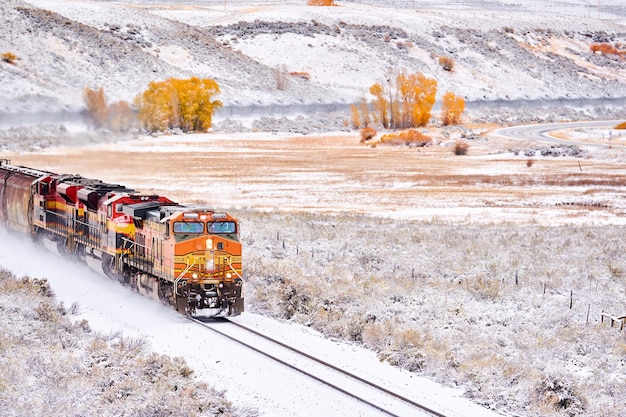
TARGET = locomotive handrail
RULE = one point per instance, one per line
(233, 269)
(180, 277)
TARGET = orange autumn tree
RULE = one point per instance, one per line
(381, 105)
(404, 100)
(97, 108)
(417, 94)
(117, 117)
(452, 109)
(174, 103)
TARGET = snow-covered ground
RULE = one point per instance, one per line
(248, 378)
(510, 53)
(526, 50)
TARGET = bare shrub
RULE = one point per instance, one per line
(460, 148)
(321, 3)
(367, 133)
(47, 311)
(410, 137)
(604, 49)
(561, 395)
(133, 345)
(74, 309)
(301, 74)
(446, 63)
(530, 162)
(281, 76)
(9, 58)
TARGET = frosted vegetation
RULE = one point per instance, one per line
(54, 366)
(509, 312)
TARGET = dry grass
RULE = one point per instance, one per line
(348, 176)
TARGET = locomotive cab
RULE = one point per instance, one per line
(189, 257)
(207, 260)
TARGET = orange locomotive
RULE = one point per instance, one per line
(187, 256)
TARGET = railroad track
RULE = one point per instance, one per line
(360, 389)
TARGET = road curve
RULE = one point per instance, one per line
(541, 132)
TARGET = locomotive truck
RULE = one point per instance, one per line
(189, 257)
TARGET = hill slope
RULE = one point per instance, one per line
(526, 51)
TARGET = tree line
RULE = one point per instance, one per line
(401, 101)
(404, 101)
(186, 104)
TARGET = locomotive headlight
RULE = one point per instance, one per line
(194, 275)
(228, 275)
(209, 243)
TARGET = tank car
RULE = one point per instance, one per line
(189, 257)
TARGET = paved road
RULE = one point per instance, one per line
(541, 132)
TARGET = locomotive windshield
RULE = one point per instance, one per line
(222, 227)
(188, 227)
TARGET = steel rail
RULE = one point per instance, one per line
(321, 362)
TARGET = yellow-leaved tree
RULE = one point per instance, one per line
(418, 94)
(175, 103)
(452, 109)
(404, 100)
(381, 105)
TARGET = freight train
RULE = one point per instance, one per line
(189, 257)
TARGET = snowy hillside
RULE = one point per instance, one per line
(526, 50)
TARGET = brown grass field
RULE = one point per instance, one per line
(338, 174)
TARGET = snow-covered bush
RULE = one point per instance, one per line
(54, 366)
(483, 306)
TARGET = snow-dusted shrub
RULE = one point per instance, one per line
(560, 393)
(482, 287)
(460, 148)
(367, 133)
(484, 305)
(406, 350)
(52, 366)
(9, 58)
(446, 62)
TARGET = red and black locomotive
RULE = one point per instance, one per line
(189, 257)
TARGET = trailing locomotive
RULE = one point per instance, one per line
(189, 257)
